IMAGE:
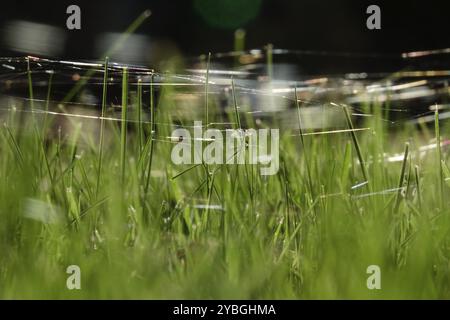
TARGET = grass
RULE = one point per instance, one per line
(102, 123)
(123, 131)
(141, 227)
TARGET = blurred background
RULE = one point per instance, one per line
(331, 56)
(194, 27)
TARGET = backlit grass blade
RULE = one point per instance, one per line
(30, 85)
(356, 143)
(150, 140)
(402, 178)
(236, 113)
(123, 133)
(439, 156)
(102, 125)
(139, 116)
(305, 154)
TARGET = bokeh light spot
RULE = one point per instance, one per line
(227, 14)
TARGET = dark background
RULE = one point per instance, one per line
(295, 24)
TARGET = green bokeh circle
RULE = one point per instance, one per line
(227, 14)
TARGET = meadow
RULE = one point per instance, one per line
(104, 195)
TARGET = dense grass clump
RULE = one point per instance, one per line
(138, 226)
